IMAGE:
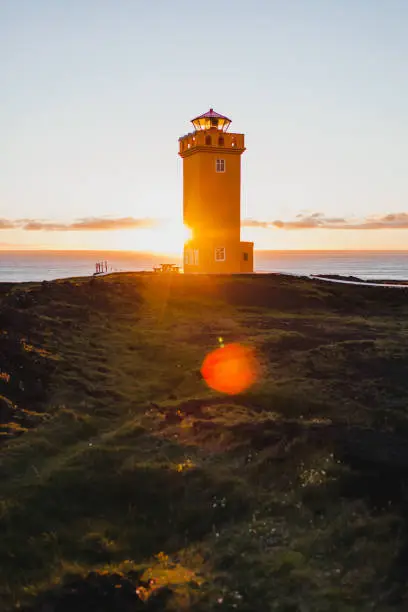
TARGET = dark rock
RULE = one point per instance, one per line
(22, 299)
(364, 447)
(7, 409)
(172, 417)
(158, 600)
(102, 592)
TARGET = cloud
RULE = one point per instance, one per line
(6, 224)
(86, 224)
(255, 223)
(315, 220)
(90, 224)
(320, 221)
(34, 226)
(310, 220)
(122, 223)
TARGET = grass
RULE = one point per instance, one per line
(119, 465)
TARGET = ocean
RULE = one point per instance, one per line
(24, 266)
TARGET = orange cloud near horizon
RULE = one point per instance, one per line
(301, 222)
(166, 236)
(86, 224)
(320, 221)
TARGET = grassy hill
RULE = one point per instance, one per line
(127, 484)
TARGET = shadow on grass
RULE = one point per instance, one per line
(101, 507)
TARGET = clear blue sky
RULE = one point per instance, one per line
(95, 93)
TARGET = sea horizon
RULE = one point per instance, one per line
(46, 264)
(172, 254)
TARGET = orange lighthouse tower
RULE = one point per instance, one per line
(212, 198)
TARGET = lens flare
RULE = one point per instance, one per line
(231, 369)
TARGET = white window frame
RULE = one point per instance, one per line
(220, 165)
(191, 257)
(219, 254)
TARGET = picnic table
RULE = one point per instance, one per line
(167, 268)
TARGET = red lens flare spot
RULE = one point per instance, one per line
(230, 369)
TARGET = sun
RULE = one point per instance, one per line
(187, 233)
(167, 238)
(170, 238)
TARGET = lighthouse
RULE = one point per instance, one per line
(212, 198)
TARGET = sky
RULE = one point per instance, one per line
(96, 93)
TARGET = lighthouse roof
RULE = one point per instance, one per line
(211, 114)
(211, 119)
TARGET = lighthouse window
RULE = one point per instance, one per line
(214, 122)
(220, 165)
(221, 141)
(191, 257)
(220, 254)
(208, 140)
